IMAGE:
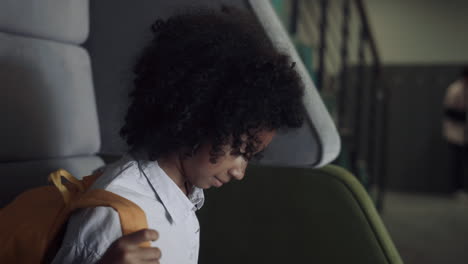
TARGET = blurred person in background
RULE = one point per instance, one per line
(455, 132)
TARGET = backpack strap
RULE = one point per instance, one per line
(67, 191)
(132, 217)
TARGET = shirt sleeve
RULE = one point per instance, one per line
(89, 233)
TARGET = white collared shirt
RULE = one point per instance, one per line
(168, 210)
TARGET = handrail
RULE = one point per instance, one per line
(323, 43)
(378, 166)
(370, 112)
(294, 17)
(370, 37)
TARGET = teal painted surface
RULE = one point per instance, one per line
(306, 53)
(344, 159)
(279, 7)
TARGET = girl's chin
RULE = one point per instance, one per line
(203, 185)
(208, 185)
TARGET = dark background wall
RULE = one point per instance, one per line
(417, 157)
(422, 48)
(417, 153)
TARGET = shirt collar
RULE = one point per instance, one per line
(197, 197)
(176, 203)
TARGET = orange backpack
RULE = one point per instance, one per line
(33, 225)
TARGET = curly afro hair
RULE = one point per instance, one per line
(210, 77)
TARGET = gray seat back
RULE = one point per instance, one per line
(48, 113)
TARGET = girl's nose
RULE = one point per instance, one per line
(238, 172)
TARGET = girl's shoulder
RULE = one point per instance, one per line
(126, 177)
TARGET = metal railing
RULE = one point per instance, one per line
(346, 64)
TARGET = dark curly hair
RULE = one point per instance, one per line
(211, 77)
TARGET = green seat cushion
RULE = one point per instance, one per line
(293, 215)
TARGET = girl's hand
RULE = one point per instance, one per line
(126, 250)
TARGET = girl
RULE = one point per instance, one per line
(210, 90)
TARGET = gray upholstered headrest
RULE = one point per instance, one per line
(317, 142)
(59, 20)
(47, 100)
